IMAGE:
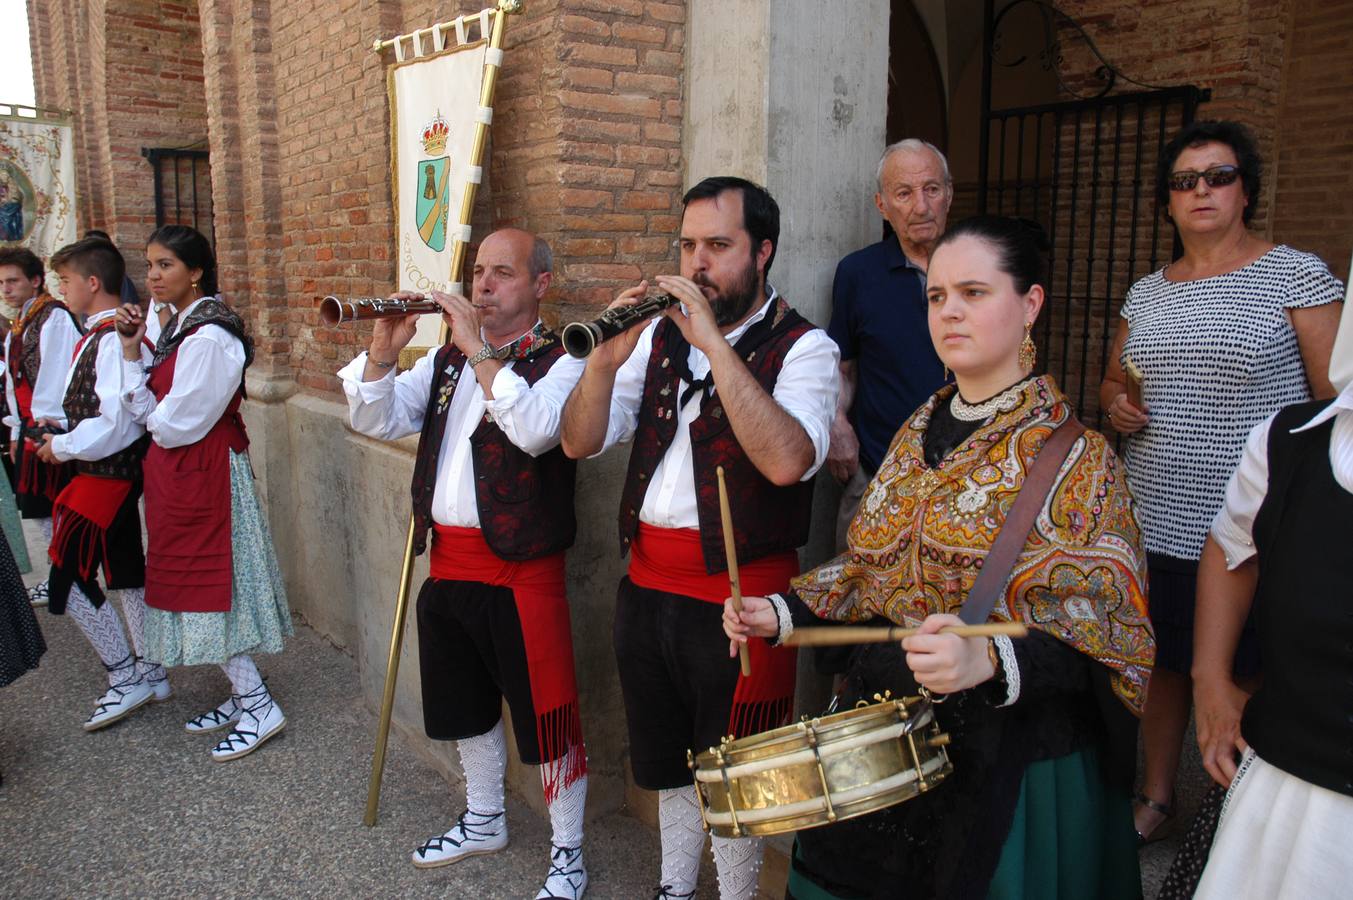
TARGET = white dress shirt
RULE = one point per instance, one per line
(393, 406)
(56, 344)
(806, 388)
(113, 429)
(207, 374)
(1233, 529)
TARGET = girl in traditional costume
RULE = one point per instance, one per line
(213, 587)
(1043, 727)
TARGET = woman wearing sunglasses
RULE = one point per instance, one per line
(1221, 338)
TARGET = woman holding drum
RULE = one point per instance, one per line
(1042, 729)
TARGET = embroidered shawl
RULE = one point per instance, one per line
(921, 535)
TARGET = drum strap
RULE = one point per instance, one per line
(1000, 562)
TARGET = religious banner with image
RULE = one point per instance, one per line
(37, 180)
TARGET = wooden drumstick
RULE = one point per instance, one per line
(735, 588)
(833, 637)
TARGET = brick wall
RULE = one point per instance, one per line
(1313, 175)
(585, 152)
(131, 71)
(1234, 47)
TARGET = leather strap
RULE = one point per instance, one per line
(1000, 562)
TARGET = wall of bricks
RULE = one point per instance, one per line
(1234, 47)
(131, 70)
(1313, 174)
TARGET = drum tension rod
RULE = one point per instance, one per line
(821, 773)
(700, 798)
(728, 789)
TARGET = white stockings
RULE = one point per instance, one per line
(566, 810)
(683, 840)
(103, 629)
(738, 861)
(134, 610)
(484, 759)
(243, 675)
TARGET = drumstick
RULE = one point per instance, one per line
(732, 553)
(831, 637)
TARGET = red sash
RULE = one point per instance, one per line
(672, 560)
(81, 517)
(537, 585)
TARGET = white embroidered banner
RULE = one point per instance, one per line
(434, 100)
(37, 181)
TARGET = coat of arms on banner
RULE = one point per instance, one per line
(434, 177)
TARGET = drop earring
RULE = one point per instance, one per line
(1028, 350)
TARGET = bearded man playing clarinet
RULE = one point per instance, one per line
(733, 379)
(496, 492)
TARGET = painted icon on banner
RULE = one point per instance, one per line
(18, 202)
(434, 179)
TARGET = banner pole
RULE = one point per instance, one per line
(458, 253)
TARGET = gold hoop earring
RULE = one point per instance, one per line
(1028, 350)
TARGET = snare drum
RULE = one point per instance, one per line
(821, 770)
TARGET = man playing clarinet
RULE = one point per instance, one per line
(734, 378)
(496, 492)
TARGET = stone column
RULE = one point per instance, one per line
(793, 95)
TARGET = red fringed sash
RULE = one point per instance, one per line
(81, 516)
(671, 560)
(537, 585)
(35, 478)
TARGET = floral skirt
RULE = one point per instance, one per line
(13, 528)
(259, 617)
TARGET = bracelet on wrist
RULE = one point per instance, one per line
(378, 364)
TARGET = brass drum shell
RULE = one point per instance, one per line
(870, 758)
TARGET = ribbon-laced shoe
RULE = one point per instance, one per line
(38, 594)
(567, 879)
(667, 892)
(228, 713)
(125, 696)
(472, 835)
(260, 719)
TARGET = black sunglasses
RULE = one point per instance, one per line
(1217, 176)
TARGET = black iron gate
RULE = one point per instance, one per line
(1085, 170)
(182, 187)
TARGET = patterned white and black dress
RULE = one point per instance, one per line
(21, 643)
(1218, 356)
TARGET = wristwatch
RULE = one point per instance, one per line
(485, 352)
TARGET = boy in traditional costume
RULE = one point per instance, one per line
(96, 522)
(37, 356)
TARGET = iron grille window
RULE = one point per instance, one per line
(182, 188)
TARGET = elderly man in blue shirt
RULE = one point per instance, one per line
(888, 364)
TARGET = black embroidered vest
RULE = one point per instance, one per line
(1301, 718)
(30, 341)
(768, 518)
(525, 502)
(81, 402)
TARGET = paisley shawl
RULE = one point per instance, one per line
(920, 537)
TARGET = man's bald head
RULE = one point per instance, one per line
(512, 272)
(538, 256)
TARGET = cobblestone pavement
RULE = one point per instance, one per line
(140, 809)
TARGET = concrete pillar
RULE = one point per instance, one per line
(793, 94)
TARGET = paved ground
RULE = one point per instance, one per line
(140, 809)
